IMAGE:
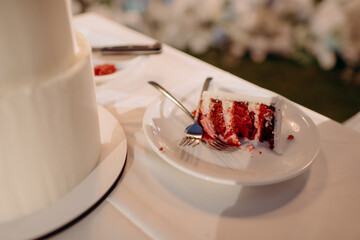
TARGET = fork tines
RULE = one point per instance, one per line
(187, 141)
(219, 145)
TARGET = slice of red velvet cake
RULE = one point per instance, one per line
(233, 117)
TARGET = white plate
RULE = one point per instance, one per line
(164, 125)
(83, 197)
(126, 65)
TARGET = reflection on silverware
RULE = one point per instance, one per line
(171, 97)
(130, 49)
(194, 132)
(215, 144)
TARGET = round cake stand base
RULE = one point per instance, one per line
(85, 197)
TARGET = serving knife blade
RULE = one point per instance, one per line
(130, 49)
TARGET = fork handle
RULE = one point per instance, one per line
(168, 95)
(205, 87)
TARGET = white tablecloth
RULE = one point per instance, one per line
(157, 201)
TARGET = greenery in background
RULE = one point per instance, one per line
(309, 85)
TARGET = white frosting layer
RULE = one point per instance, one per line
(49, 137)
(36, 41)
(241, 97)
(253, 101)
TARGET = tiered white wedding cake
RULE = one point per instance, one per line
(49, 127)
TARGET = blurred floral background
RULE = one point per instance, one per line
(306, 50)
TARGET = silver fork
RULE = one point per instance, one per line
(219, 145)
(216, 144)
(194, 132)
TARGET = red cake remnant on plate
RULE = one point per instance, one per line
(104, 69)
(234, 117)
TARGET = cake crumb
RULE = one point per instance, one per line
(290, 137)
(249, 148)
(260, 152)
(161, 149)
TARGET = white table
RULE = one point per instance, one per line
(157, 201)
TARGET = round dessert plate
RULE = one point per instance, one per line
(126, 65)
(164, 125)
(83, 198)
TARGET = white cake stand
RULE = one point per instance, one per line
(83, 198)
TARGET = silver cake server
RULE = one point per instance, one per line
(130, 49)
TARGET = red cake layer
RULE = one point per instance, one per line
(266, 124)
(236, 120)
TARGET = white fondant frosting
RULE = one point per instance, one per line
(36, 41)
(49, 128)
(242, 97)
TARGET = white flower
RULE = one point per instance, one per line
(333, 31)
